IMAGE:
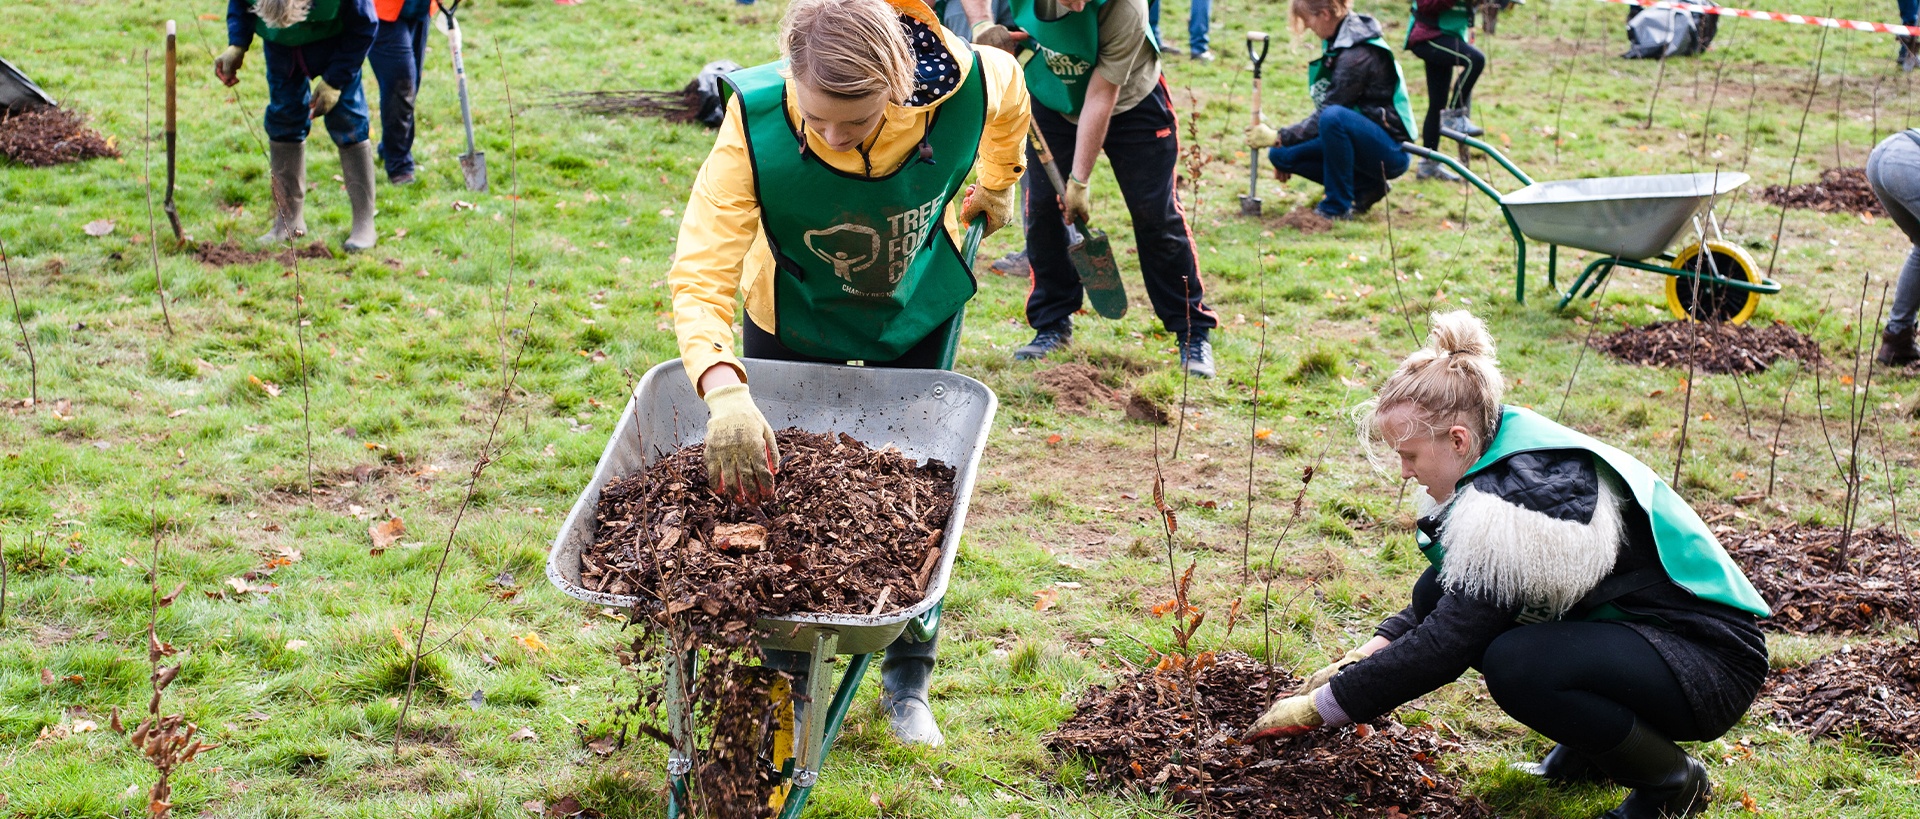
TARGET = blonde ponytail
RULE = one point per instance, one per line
(848, 48)
(1453, 381)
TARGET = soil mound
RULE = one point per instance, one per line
(1713, 347)
(1142, 408)
(1146, 734)
(1076, 387)
(1306, 220)
(1872, 688)
(1839, 189)
(1797, 569)
(231, 253)
(51, 136)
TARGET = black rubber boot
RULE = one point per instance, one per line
(1563, 765)
(1666, 783)
(904, 676)
(1897, 349)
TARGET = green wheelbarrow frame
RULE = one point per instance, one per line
(1595, 271)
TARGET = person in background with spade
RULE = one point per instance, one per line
(1094, 70)
(831, 204)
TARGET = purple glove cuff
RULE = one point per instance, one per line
(1330, 711)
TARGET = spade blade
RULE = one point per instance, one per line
(474, 165)
(1092, 257)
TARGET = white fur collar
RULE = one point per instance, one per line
(1514, 555)
(283, 13)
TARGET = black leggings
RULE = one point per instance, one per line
(1582, 684)
(1442, 54)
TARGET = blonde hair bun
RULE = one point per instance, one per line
(848, 48)
(1452, 381)
(1459, 333)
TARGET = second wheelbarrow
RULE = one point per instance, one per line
(1632, 220)
(922, 413)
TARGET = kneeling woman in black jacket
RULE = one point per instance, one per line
(1601, 611)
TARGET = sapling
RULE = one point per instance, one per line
(33, 364)
(166, 742)
(146, 171)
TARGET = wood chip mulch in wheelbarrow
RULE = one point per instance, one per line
(1797, 569)
(1839, 190)
(1713, 347)
(851, 530)
(1872, 688)
(1145, 734)
(51, 136)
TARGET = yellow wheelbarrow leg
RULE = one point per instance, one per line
(781, 756)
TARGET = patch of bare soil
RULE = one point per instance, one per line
(1872, 688)
(1713, 347)
(230, 252)
(1142, 408)
(1798, 570)
(1076, 388)
(1306, 220)
(1146, 734)
(1839, 190)
(51, 136)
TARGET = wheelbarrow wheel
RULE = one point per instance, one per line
(1703, 299)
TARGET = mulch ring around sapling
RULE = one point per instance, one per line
(1713, 347)
(1145, 734)
(51, 136)
(1840, 190)
(1872, 688)
(231, 253)
(1798, 570)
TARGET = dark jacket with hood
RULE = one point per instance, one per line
(1363, 79)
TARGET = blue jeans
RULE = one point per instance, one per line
(1893, 169)
(288, 95)
(1909, 12)
(398, 59)
(1198, 23)
(1347, 158)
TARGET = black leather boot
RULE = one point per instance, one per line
(1666, 783)
(1563, 765)
(904, 676)
(1897, 349)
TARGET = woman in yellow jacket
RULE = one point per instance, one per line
(831, 203)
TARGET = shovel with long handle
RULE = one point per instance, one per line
(1250, 204)
(173, 138)
(472, 163)
(1087, 247)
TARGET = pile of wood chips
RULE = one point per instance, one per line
(51, 136)
(1713, 347)
(1839, 190)
(1797, 569)
(1872, 688)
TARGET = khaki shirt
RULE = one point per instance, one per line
(1128, 58)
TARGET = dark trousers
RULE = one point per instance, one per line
(1442, 55)
(289, 91)
(1352, 156)
(926, 355)
(398, 59)
(1143, 147)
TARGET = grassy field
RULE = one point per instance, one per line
(293, 634)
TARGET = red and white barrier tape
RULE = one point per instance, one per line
(1778, 17)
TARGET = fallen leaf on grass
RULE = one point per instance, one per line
(531, 641)
(1045, 599)
(296, 645)
(385, 534)
(604, 745)
(47, 678)
(177, 413)
(99, 227)
(268, 387)
(522, 735)
(1263, 433)
(566, 807)
(1054, 438)
(241, 586)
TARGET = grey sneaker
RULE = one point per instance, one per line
(1196, 355)
(1455, 119)
(1430, 169)
(1012, 264)
(1203, 57)
(1044, 342)
(1909, 52)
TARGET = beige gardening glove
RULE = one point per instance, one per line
(989, 33)
(997, 206)
(1076, 206)
(324, 98)
(1260, 136)
(1289, 717)
(227, 65)
(1325, 675)
(740, 448)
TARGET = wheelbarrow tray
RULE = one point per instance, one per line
(922, 413)
(1631, 217)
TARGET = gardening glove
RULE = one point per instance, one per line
(740, 448)
(1325, 675)
(1260, 136)
(227, 65)
(1075, 206)
(997, 206)
(324, 98)
(1289, 717)
(989, 33)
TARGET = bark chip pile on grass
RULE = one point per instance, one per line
(51, 136)
(1797, 569)
(1872, 688)
(1713, 347)
(1146, 734)
(1839, 190)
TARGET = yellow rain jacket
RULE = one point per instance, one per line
(722, 250)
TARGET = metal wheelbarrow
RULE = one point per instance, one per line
(1632, 220)
(923, 413)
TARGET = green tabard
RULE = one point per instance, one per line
(864, 267)
(1317, 86)
(323, 21)
(1691, 555)
(1060, 54)
(1455, 20)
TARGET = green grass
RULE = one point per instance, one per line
(171, 436)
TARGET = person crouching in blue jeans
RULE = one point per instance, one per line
(1351, 142)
